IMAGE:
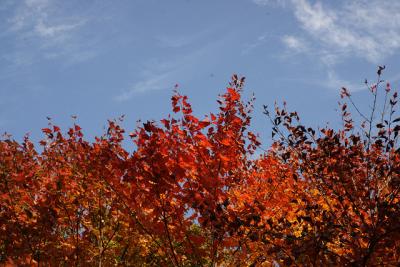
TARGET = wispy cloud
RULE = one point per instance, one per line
(164, 74)
(354, 28)
(270, 2)
(154, 82)
(294, 43)
(159, 75)
(334, 32)
(262, 39)
(334, 82)
(42, 31)
(51, 31)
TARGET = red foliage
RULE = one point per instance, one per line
(194, 192)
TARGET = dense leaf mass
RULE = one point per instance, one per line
(197, 191)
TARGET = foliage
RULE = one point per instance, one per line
(196, 192)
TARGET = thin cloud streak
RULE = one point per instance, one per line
(163, 75)
(43, 32)
(156, 82)
(261, 40)
(46, 31)
(270, 2)
(294, 43)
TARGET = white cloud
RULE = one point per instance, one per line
(27, 15)
(355, 28)
(294, 43)
(42, 30)
(336, 31)
(36, 18)
(269, 2)
(334, 82)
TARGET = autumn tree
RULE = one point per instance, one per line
(198, 191)
(346, 211)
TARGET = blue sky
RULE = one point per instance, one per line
(101, 59)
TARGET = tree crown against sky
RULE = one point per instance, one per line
(194, 192)
(101, 59)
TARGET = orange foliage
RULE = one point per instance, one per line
(195, 192)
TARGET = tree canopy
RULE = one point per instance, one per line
(198, 192)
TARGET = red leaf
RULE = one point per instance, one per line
(46, 130)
